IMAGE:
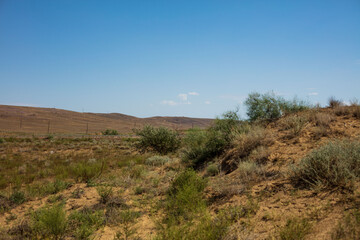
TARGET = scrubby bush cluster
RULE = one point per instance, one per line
(110, 132)
(336, 164)
(201, 146)
(160, 140)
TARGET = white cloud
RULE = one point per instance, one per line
(183, 96)
(193, 93)
(238, 99)
(313, 94)
(169, 102)
(207, 102)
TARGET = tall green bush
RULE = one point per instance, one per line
(201, 146)
(160, 140)
(268, 106)
(185, 196)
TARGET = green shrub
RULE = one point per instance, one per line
(160, 140)
(336, 164)
(212, 169)
(349, 227)
(50, 221)
(185, 196)
(201, 146)
(17, 197)
(157, 160)
(55, 187)
(86, 171)
(105, 193)
(2, 140)
(85, 222)
(268, 106)
(110, 132)
(295, 229)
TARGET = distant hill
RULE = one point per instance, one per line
(37, 120)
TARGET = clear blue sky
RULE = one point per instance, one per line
(176, 58)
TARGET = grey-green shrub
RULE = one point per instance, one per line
(161, 140)
(157, 160)
(336, 164)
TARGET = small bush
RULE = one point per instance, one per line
(202, 146)
(322, 119)
(2, 140)
(249, 171)
(356, 112)
(260, 155)
(243, 145)
(55, 187)
(17, 197)
(341, 110)
(86, 171)
(157, 160)
(212, 170)
(185, 196)
(50, 221)
(333, 102)
(85, 222)
(295, 124)
(160, 140)
(105, 193)
(336, 164)
(349, 228)
(295, 229)
(110, 132)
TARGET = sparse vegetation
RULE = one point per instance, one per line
(237, 186)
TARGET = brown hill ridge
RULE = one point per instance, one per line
(52, 120)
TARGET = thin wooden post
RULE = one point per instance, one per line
(49, 126)
(21, 122)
